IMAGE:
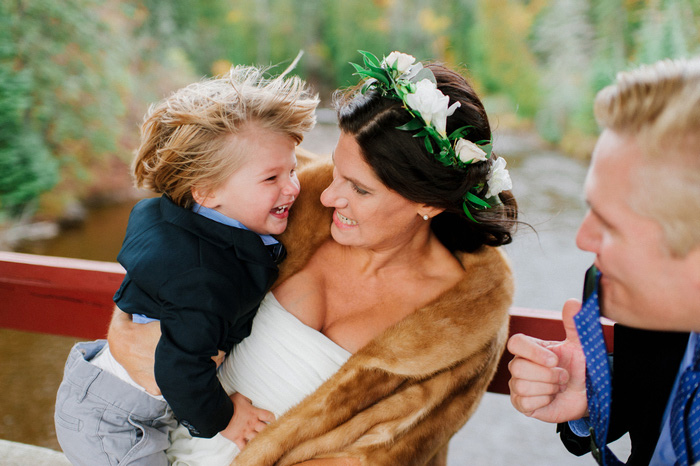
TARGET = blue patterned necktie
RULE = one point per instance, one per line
(598, 377)
(685, 414)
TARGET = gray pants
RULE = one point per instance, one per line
(102, 420)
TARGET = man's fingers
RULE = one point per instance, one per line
(527, 370)
(532, 349)
(529, 404)
(570, 309)
(522, 387)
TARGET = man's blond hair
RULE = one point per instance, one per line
(185, 136)
(659, 105)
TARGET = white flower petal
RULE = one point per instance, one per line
(424, 99)
(468, 152)
(499, 178)
(453, 107)
(403, 61)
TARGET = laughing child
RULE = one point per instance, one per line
(199, 259)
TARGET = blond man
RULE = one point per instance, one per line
(643, 224)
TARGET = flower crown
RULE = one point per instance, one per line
(399, 77)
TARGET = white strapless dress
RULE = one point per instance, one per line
(277, 366)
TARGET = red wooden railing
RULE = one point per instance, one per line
(73, 297)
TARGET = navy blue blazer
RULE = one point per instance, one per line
(204, 281)
(644, 368)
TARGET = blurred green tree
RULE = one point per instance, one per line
(562, 39)
(76, 76)
(26, 166)
(504, 63)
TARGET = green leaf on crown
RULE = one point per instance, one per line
(429, 145)
(467, 213)
(477, 201)
(412, 125)
(460, 133)
(364, 72)
(370, 59)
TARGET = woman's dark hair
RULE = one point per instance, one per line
(404, 165)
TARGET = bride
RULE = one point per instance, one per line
(383, 332)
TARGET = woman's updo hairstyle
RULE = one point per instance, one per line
(404, 165)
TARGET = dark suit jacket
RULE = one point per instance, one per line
(645, 364)
(204, 281)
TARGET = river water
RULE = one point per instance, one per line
(548, 269)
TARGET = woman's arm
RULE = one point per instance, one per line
(134, 346)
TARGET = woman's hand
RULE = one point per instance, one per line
(247, 421)
(134, 347)
(219, 358)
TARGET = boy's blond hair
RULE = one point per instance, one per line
(659, 106)
(183, 137)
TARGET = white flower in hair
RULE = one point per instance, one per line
(499, 178)
(432, 105)
(440, 118)
(468, 152)
(403, 61)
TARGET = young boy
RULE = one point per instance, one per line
(199, 259)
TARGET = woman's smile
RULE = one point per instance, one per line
(344, 220)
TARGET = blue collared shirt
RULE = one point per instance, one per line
(664, 453)
(217, 216)
(232, 222)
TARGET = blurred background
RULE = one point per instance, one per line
(77, 76)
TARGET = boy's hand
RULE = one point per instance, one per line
(246, 422)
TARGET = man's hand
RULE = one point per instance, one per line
(247, 421)
(548, 378)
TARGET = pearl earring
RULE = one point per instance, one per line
(425, 217)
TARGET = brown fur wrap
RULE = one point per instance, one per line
(398, 400)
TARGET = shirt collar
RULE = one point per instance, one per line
(232, 222)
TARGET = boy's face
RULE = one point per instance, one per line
(260, 193)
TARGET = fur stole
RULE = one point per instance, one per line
(399, 399)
